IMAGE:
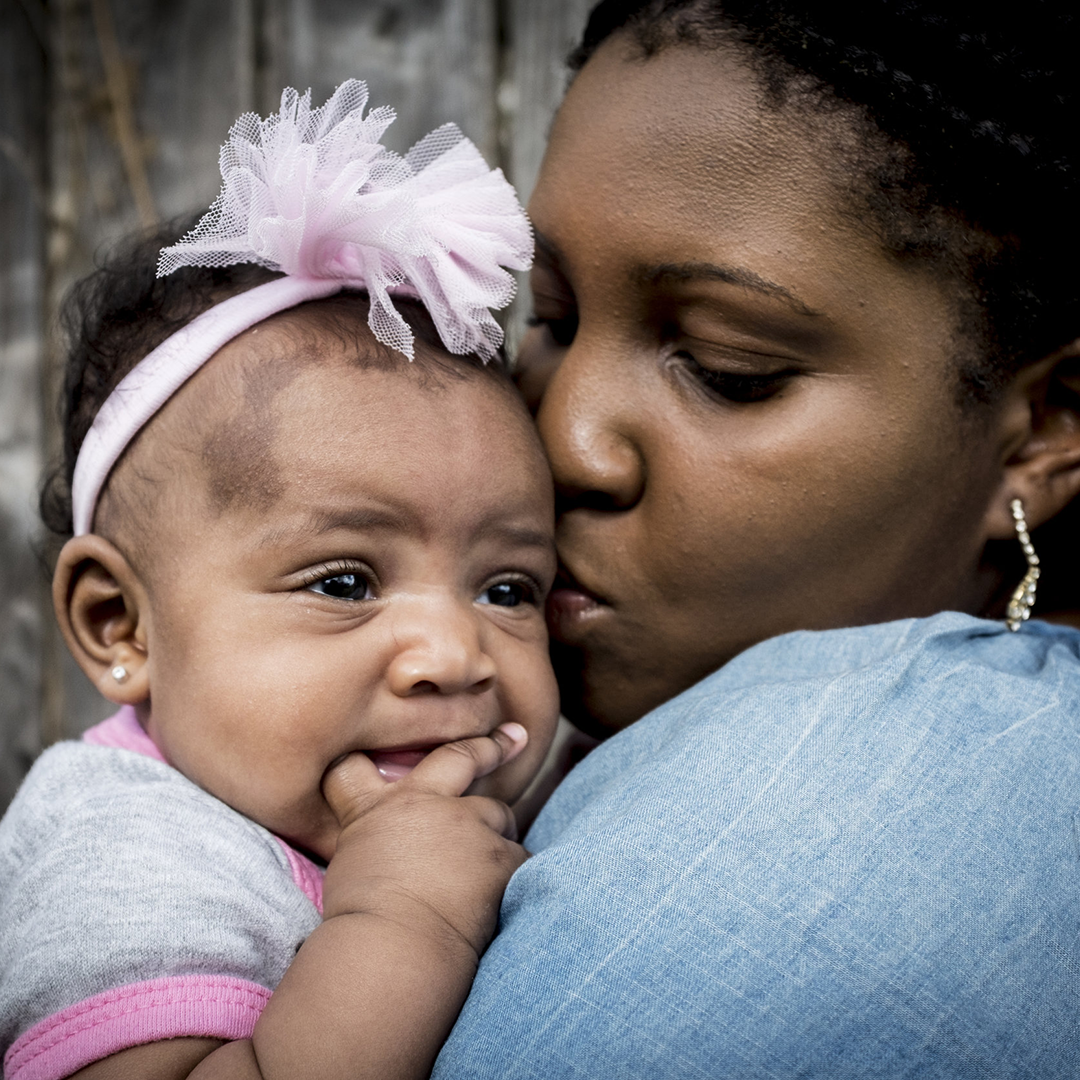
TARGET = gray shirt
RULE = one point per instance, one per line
(136, 907)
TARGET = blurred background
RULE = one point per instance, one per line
(112, 115)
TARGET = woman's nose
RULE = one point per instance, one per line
(438, 650)
(585, 422)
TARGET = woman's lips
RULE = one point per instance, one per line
(394, 764)
(570, 604)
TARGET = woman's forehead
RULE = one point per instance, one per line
(676, 159)
(687, 123)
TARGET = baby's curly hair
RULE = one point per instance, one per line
(976, 175)
(122, 311)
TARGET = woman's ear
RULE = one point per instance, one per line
(1041, 445)
(102, 609)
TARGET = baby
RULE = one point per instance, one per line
(312, 576)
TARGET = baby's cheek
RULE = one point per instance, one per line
(303, 818)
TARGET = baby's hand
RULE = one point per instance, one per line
(420, 853)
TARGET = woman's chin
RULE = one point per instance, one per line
(599, 694)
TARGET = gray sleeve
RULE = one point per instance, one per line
(115, 869)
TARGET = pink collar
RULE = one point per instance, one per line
(123, 732)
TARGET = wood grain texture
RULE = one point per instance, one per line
(433, 60)
(190, 70)
(22, 223)
(538, 39)
(541, 37)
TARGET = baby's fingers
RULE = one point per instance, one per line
(496, 815)
(451, 768)
(351, 785)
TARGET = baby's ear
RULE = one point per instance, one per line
(102, 608)
(1041, 448)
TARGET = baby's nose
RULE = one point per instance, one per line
(439, 650)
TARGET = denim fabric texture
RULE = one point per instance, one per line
(847, 854)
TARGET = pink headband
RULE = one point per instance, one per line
(312, 193)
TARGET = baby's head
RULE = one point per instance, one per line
(317, 547)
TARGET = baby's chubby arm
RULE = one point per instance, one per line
(411, 899)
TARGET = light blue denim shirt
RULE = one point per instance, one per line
(851, 853)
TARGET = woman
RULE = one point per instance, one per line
(806, 330)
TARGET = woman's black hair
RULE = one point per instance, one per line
(122, 311)
(979, 103)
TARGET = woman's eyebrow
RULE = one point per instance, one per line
(730, 275)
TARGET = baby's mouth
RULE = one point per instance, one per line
(394, 764)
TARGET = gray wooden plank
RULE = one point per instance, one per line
(539, 37)
(22, 207)
(432, 60)
(197, 76)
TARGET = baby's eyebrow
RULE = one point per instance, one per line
(323, 521)
(356, 519)
(521, 535)
(370, 519)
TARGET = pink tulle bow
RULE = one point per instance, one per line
(313, 193)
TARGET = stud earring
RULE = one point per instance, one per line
(119, 673)
(1023, 599)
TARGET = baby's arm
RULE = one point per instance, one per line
(411, 899)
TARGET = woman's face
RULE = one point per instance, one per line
(750, 408)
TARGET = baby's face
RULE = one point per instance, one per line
(373, 580)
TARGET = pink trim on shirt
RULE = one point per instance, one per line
(124, 732)
(197, 1006)
(307, 877)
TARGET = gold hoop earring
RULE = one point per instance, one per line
(1023, 598)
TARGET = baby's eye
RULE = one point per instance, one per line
(507, 594)
(350, 586)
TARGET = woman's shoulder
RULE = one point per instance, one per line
(962, 664)
(942, 695)
(957, 669)
(949, 637)
(857, 847)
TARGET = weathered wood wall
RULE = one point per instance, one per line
(113, 113)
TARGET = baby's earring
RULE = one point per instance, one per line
(1023, 599)
(119, 673)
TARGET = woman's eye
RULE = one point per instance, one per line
(351, 586)
(742, 389)
(507, 594)
(562, 330)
